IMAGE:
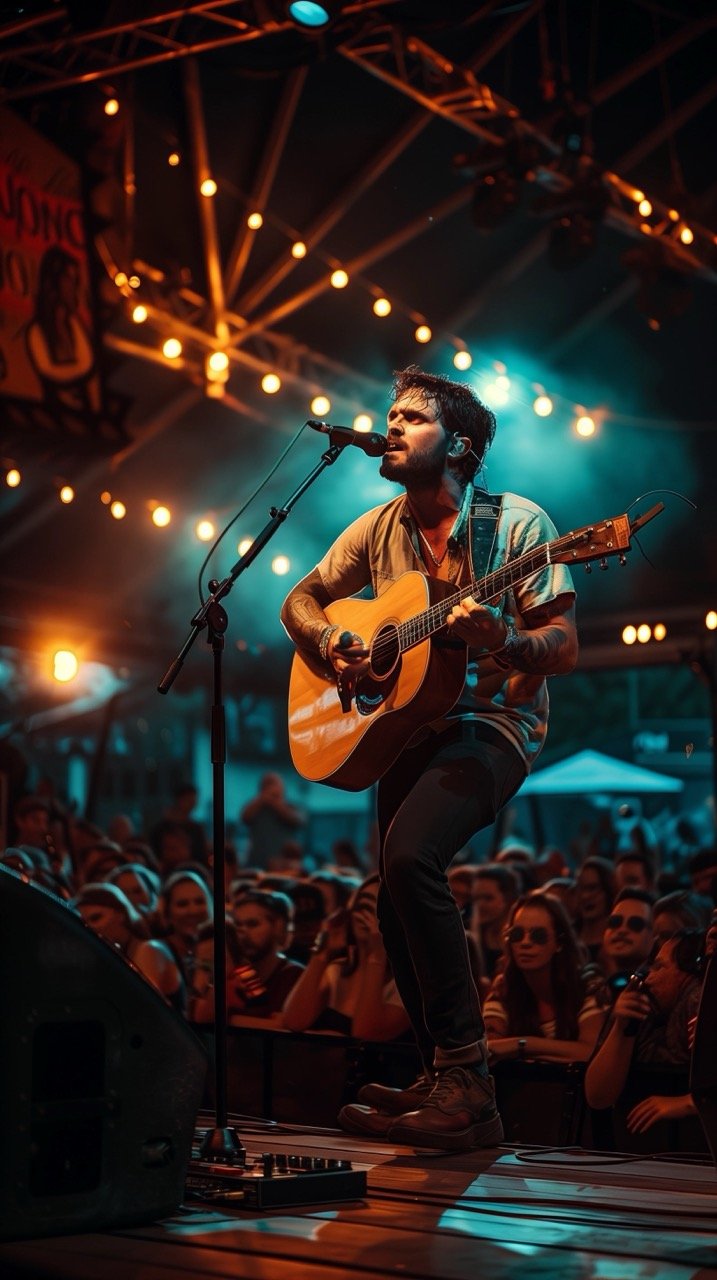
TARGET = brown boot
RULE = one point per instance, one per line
(459, 1113)
(396, 1101)
(367, 1121)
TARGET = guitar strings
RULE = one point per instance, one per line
(432, 619)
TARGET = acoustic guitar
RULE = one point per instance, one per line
(416, 672)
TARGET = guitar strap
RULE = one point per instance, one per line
(482, 529)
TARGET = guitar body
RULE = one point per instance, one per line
(352, 749)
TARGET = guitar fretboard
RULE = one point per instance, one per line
(484, 590)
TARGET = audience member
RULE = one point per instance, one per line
(649, 1021)
(460, 883)
(264, 976)
(629, 937)
(185, 905)
(179, 817)
(336, 889)
(107, 910)
(271, 820)
(347, 985)
(544, 1005)
(635, 871)
(702, 868)
(495, 889)
(140, 885)
(595, 891)
(309, 917)
(680, 910)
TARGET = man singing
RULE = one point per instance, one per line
(454, 774)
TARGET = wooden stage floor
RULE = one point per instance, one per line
(489, 1215)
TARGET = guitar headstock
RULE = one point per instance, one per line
(597, 541)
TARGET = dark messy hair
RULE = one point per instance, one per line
(459, 411)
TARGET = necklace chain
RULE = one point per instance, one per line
(429, 548)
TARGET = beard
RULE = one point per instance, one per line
(422, 470)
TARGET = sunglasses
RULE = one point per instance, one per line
(539, 935)
(635, 923)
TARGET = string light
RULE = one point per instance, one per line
(339, 278)
(644, 632)
(218, 361)
(172, 348)
(543, 406)
(644, 208)
(255, 220)
(67, 494)
(659, 631)
(320, 405)
(13, 478)
(112, 106)
(244, 545)
(382, 307)
(298, 249)
(687, 235)
(118, 510)
(280, 565)
(271, 383)
(161, 516)
(64, 665)
(495, 394)
(139, 313)
(585, 425)
(423, 333)
(205, 530)
(363, 422)
(208, 187)
(629, 635)
(173, 159)
(463, 359)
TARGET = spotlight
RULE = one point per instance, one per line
(111, 107)
(382, 307)
(298, 249)
(310, 15)
(118, 510)
(13, 478)
(139, 313)
(173, 159)
(255, 220)
(67, 494)
(64, 665)
(172, 348)
(629, 635)
(339, 278)
(711, 620)
(208, 187)
(271, 383)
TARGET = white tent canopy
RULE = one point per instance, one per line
(591, 772)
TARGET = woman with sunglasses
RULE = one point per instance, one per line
(544, 1004)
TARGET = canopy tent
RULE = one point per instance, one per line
(593, 772)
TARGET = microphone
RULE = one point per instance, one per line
(370, 441)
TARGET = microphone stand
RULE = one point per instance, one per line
(222, 1144)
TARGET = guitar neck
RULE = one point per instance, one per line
(483, 590)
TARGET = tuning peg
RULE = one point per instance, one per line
(588, 568)
(623, 558)
(603, 563)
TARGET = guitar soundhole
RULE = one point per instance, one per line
(385, 651)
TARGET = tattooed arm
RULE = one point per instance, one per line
(302, 613)
(546, 643)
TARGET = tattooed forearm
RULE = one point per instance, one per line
(303, 611)
(548, 645)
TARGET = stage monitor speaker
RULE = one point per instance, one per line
(100, 1080)
(703, 1065)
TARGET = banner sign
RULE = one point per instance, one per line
(51, 384)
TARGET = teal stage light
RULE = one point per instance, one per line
(309, 13)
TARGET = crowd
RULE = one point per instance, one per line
(599, 963)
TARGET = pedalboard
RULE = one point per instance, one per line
(274, 1180)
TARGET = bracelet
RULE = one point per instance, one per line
(324, 638)
(501, 656)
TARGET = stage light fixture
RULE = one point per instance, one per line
(271, 383)
(13, 478)
(382, 307)
(644, 208)
(255, 220)
(659, 631)
(218, 362)
(208, 187)
(711, 620)
(161, 516)
(687, 235)
(644, 633)
(118, 510)
(339, 278)
(298, 249)
(67, 494)
(629, 635)
(311, 15)
(173, 159)
(172, 348)
(111, 107)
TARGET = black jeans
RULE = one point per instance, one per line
(430, 802)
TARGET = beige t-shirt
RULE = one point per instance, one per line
(381, 545)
